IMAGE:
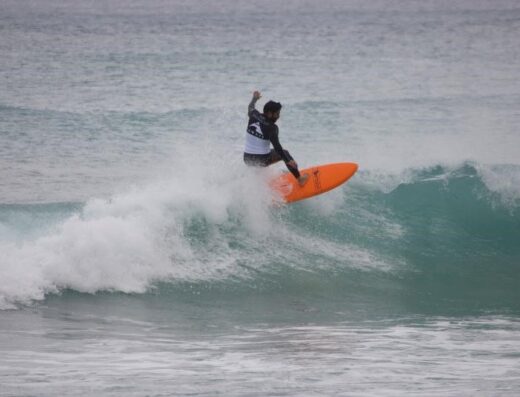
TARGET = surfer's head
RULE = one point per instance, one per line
(272, 111)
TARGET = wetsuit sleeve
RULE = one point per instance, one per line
(273, 137)
(251, 111)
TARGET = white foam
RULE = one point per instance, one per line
(503, 180)
(131, 240)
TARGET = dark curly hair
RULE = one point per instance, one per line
(272, 106)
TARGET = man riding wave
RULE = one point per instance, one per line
(262, 131)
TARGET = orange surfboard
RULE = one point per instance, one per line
(322, 178)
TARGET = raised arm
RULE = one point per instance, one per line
(251, 107)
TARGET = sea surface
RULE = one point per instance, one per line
(140, 257)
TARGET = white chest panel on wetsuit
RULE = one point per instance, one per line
(255, 141)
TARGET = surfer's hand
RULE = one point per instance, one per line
(257, 95)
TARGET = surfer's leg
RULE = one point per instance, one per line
(275, 157)
(264, 160)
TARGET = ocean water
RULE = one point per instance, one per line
(139, 256)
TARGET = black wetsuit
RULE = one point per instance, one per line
(266, 131)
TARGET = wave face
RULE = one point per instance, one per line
(442, 239)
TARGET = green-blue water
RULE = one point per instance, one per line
(140, 256)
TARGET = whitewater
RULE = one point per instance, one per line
(140, 256)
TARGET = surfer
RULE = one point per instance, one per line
(262, 131)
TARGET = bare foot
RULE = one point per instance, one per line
(302, 180)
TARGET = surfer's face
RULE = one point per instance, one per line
(273, 116)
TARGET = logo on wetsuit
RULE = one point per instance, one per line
(255, 130)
